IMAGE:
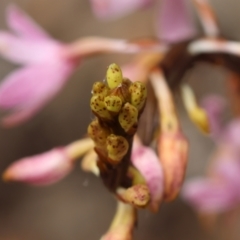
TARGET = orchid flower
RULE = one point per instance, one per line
(111, 9)
(169, 28)
(219, 190)
(46, 64)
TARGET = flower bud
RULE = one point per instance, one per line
(147, 163)
(99, 88)
(128, 118)
(41, 169)
(138, 93)
(173, 149)
(137, 195)
(117, 147)
(114, 76)
(98, 107)
(98, 133)
(113, 103)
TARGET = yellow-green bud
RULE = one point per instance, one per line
(98, 133)
(137, 195)
(113, 103)
(114, 75)
(98, 107)
(99, 88)
(128, 118)
(138, 93)
(117, 147)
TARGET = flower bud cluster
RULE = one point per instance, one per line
(117, 104)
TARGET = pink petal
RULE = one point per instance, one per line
(214, 106)
(231, 134)
(174, 21)
(134, 72)
(42, 169)
(148, 164)
(27, 90)
(23, 25)
(209, 196)
(25, 51)
(113, 9)
(228, 169)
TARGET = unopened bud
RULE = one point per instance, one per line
(138, 93)
(128, 118)
(137, 195)
(98, 107)
(117, 147)
(98, 134)
(113, 103)
(99, 88)
(173, 149)
(114, 75)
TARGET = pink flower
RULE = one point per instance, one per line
(148, 164)
(45, 71)
(174, 21)
(42, 169)
(214, 106)
(173, 24)
(47, 64)
(219, 191)
(113, 9)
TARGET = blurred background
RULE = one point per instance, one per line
(79, 207)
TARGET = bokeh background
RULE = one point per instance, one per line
(79, 207)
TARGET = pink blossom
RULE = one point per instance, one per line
(46, 68)
(219, 191)
(174, 21)
(42, 169)
(47, 64)
(113, 9)
(214, 106)
(148, 164)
